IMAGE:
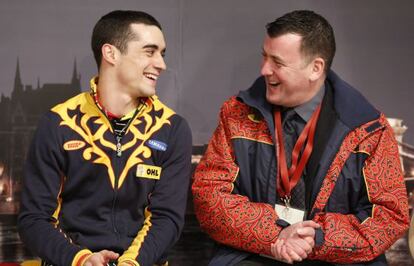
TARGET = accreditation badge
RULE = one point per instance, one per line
(289, 214)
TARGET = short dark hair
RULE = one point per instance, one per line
(317, 34)
(114, 28)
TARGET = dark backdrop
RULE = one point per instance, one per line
(214, 48)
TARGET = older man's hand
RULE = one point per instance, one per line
(295, 242)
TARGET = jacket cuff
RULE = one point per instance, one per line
(127, 262)
(81, 257)
(319, 237)
(161, 264)
(282, 223)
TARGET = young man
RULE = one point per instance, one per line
(107, 174)
(301, 168)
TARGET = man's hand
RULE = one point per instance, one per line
(101, 258)
(295, 242)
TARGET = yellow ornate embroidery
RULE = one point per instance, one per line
(90, 112)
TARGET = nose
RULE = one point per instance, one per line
(266, 68)
(160, 63)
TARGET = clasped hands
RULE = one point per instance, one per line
(295, 242)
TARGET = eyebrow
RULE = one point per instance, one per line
(274, 57)
(154, 46)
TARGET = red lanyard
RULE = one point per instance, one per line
(106, 112)
(288, 178)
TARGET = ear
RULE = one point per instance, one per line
(317, 68)
(109, 53)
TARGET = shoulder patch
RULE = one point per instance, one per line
(73, 145)
(157, 145)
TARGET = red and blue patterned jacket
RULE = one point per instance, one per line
(354, 183)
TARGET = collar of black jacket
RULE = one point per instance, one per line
(352, 107)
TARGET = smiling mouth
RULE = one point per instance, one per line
(273, 84)
(151, 76)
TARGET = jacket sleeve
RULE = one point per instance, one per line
(42, 182)
(347, 239)
(230, 219)
(167, 203)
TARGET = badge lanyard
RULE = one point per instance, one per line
(288, 178)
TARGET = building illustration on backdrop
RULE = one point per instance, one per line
(20, 114)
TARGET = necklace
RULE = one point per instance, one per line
(120, 127)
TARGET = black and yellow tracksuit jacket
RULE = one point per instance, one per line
(79, 196)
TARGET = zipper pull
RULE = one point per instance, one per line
(118, 146)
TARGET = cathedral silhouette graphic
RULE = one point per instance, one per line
(20, 114)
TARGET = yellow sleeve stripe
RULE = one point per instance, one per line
(133, 251)
(81, 257)
(128, 262)
(59, 203)
(369, 197)
(252, 139)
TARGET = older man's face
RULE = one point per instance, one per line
(286, 71)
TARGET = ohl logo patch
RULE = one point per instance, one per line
(149, 171)
(73, 145)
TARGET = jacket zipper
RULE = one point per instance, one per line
(118, 139)
(116, 176)
(114, 207)
(118, 150)
(118, 146)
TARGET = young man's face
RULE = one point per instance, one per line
(286, 71)
(141, 64)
